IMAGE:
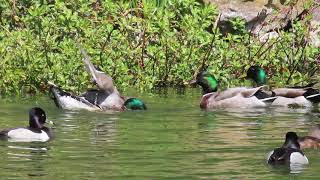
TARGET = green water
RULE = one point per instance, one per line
(174, 139)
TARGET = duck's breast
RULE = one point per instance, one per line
(113, 102)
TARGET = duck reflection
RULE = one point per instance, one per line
(33, 155)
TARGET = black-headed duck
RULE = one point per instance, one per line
(36, 131)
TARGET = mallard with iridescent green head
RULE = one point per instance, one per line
(300, 96)
(238, 97)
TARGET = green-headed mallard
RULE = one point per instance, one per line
(299, 96)
(239, 97)
(105, 98)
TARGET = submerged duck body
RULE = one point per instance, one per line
(36, 131)
(239, 97)
(299, 96)
(289, 153)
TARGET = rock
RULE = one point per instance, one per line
(265, 17)
(268, 36)
(315, 27)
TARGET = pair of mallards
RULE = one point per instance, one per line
(105, 98)
(243, 97)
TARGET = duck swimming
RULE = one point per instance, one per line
(105, 98)
(91, 101)
(289, 153)
(239, 97)
(312, 140)
(36, 131)
(300, 96)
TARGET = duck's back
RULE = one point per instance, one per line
(300, 101)
(237, 101)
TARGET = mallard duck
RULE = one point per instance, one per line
(36, 131)
(239, 97)
(106, 97)
(289, 153)
(299, 96)
(91, 100)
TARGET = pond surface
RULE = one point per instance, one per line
(174, 139)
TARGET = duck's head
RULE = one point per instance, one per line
(291, 141)
(257, 74)
(134, 104)
(37, 118)
(207, 81)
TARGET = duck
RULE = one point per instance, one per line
(312, 140)
(91, 100)
(289, 153)
(105, 98)
(35, 132)
(304, 96)
(238, 97)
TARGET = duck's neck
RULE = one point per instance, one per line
(206, 89)
(291, 144)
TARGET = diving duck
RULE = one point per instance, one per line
(105, 98)
(239, 97)
(289, 153)
(300, 96)
(36, 131)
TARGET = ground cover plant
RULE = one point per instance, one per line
(141, 44)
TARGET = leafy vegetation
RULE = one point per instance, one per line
(141, 45)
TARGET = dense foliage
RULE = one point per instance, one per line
(140, 45)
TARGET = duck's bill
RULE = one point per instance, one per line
(51, 122)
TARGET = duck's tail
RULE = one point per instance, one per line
(269, 99)
(56, 92)
(312, 95)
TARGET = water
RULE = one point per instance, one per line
(174, 139)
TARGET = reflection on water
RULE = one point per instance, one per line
(27, 158)
(173, 139)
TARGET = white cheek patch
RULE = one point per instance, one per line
(25, 135)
